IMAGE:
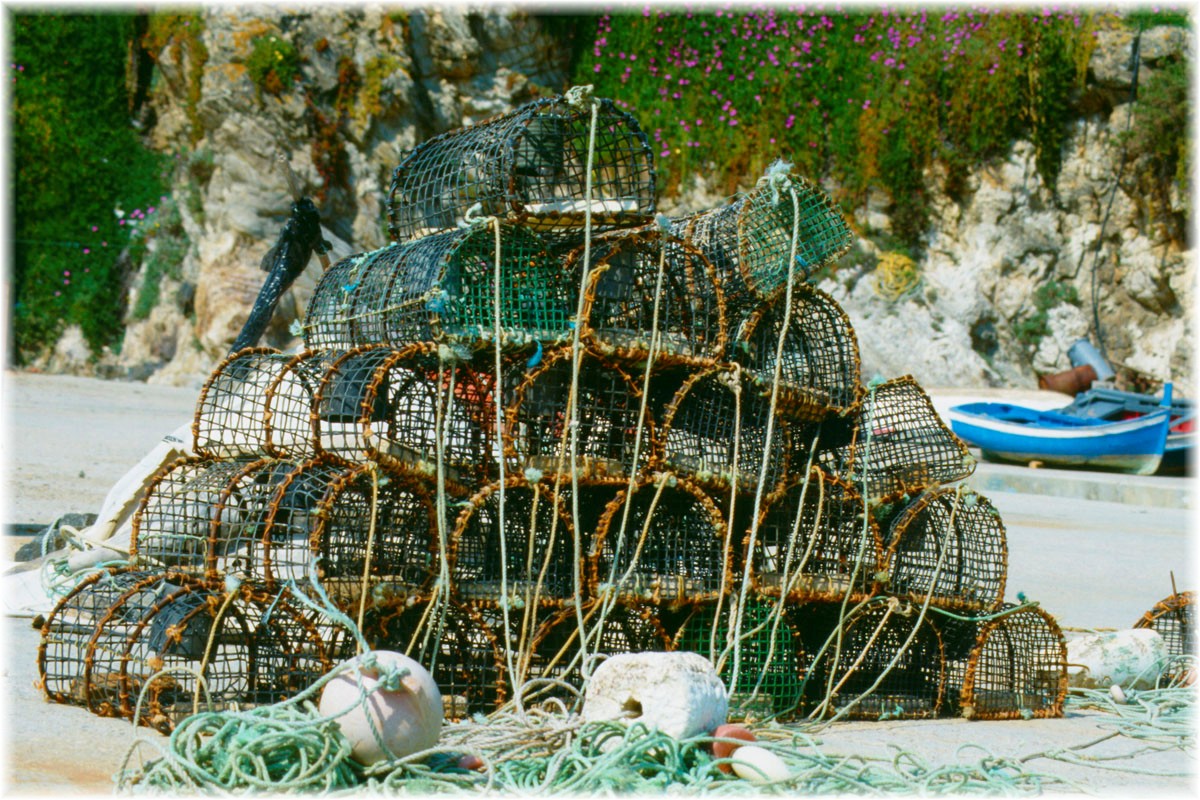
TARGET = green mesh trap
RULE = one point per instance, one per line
(769, 657)
(128, 637)
(819, 365)
(605, 443)
(528, 166)
(668, 548)
(443, 288)
(814, 541)
(449, 639)
(899, 444)
(714, 432)
(1172, 618)
(886, 662)
(538, 541)
(649, 291)
(951, 546)
(1018, 669)
(750, 240)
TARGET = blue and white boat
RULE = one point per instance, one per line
(1005, 432)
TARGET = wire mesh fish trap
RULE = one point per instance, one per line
(409, 408)
(667, 548)
(1018, 669)
(1172, 618)
(259, 402)
(819, 365)
(714, 431)
(900, 445)
(646, 291)
(951, 545)
(443, 287)
(769, 655)
(522, 549)
(145, 650)
(888, 664)
(605, 446)
(452, 641)
(193, 508)
(528, 166)
(815, 541)
(554, 664)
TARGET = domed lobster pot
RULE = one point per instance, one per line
(1172, 618)
(899, 444)
(815, 541)
(527, 530)
(1018, 669)
(668, 547)
(407, 408)
(108, 651)
(885, 642)
(769, 656)
(750, 241)
(647, 291)
(449, 638)
(819, 365)
(443, 287)
(604, 447)
(530, 167)
(950, 544)
(715, 417)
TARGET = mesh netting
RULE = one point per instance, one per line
(449, 639)
(538, 540)
(442, 288)
(102, 649)
(886, 663)
(625, 291)
(769, 657)
(527, 166)
(714, 416)
(815, 541)
(667, 549)
(1018, 669)
(1172, 618)
(606, 438)
(900, 445)
(951, 546)
(819, 369)
(387, 405)
(750, 240)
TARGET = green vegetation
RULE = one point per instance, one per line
(1048, 295)
(1159, 146)
(273, 64)
(173, 41)
(164, 243)
(81, 180)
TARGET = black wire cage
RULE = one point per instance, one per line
(663, 541)
(814, 541)
(762, 642)
(1018, 668)
(714, 432)
(819, 363)
(648, 293)
(515, 543)
(884, 660)
(472, 286)
(607, 445)
(751, 239)
(451, 640)
(137, 643)
(529, 166)
(948, 544)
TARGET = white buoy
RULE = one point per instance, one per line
(679, 693)
(1100, 660)
(758, 764)
(408, 716)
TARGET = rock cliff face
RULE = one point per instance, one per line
(386, 81)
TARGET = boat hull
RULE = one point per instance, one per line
(1012, 433)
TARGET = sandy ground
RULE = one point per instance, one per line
(1091, 563)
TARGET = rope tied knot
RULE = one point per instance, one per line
(581, 97)
(475, 218)
(776, 178)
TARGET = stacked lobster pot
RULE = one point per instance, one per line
(545, 423)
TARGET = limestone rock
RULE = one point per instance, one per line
(678, 693)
